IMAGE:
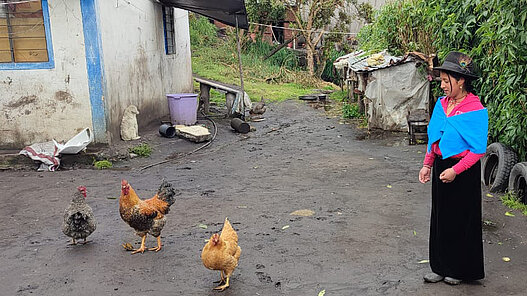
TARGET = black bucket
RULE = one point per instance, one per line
(167, 130)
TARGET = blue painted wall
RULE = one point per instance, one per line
(92, 41)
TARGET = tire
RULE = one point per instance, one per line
(496, 167)
(518, 181)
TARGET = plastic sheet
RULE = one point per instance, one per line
(393, 93)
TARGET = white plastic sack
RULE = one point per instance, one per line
(49, 152)
(46, 152)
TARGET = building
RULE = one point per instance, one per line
(68, 65)
(388, 88)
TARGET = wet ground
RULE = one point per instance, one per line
(367, 236)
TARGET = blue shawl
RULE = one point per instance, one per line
(465, 131)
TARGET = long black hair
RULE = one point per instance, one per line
(457, 76)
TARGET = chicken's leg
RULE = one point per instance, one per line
(222, 278)
(223, 287)
(158, 245)
(142, 248)
(73, 241)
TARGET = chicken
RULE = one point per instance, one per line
(258, 110)
(79, 221)
(146, 216)
(222, 253)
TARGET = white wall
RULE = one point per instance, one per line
(40, 105)
(137, 70)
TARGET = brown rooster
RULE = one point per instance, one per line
(79, 221)
(222, 253)
(146, 216)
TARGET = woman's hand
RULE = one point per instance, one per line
(424, 174)
(448, 175)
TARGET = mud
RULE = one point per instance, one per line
(367, 236)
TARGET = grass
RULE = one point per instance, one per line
(103, 164)
(512, 201)
(256, 73)
(339, 95)
(275, 79)
(142, 150)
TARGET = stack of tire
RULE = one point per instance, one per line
(500, 171)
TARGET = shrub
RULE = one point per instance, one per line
(103, 164)
(351, 111)
(492, 32)
(142, 150)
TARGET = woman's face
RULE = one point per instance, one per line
(450, 85)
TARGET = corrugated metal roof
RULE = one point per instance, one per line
(358, 61)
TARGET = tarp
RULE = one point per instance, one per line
(225, 11)
(393, 93)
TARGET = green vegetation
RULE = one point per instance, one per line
(329, 73)
(351, 111)
(512, 201)
(103, 164)
(277, 78)
(339, 95)
(142, 150)
(493, 32)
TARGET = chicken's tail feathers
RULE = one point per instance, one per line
(166, 193)
(227, 232)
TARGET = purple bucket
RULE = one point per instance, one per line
(183, 108)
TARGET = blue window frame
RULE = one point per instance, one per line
(168, 27)
(23, 28)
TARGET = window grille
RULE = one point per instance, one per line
(22, 32)
(168, 20)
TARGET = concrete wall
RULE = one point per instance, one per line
(43, 104)
(357, 24)
(137, 70)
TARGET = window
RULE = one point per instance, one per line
(168, 20)
(25, 41)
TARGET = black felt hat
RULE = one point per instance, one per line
(460, 63)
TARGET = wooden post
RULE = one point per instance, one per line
(230, 98)
(204, 91)
(241, 73)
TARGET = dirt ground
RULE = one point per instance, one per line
(367, 236)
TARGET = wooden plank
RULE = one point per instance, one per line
(29, 44)
(4, 44)
(216, 85)
(22, 56)
(5, 57)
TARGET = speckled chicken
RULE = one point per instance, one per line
(79, 221)
(146, 216)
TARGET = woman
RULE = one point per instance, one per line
(457, 139)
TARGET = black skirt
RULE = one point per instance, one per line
(456, 247)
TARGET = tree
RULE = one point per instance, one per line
(265, 12)
(313, 17)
